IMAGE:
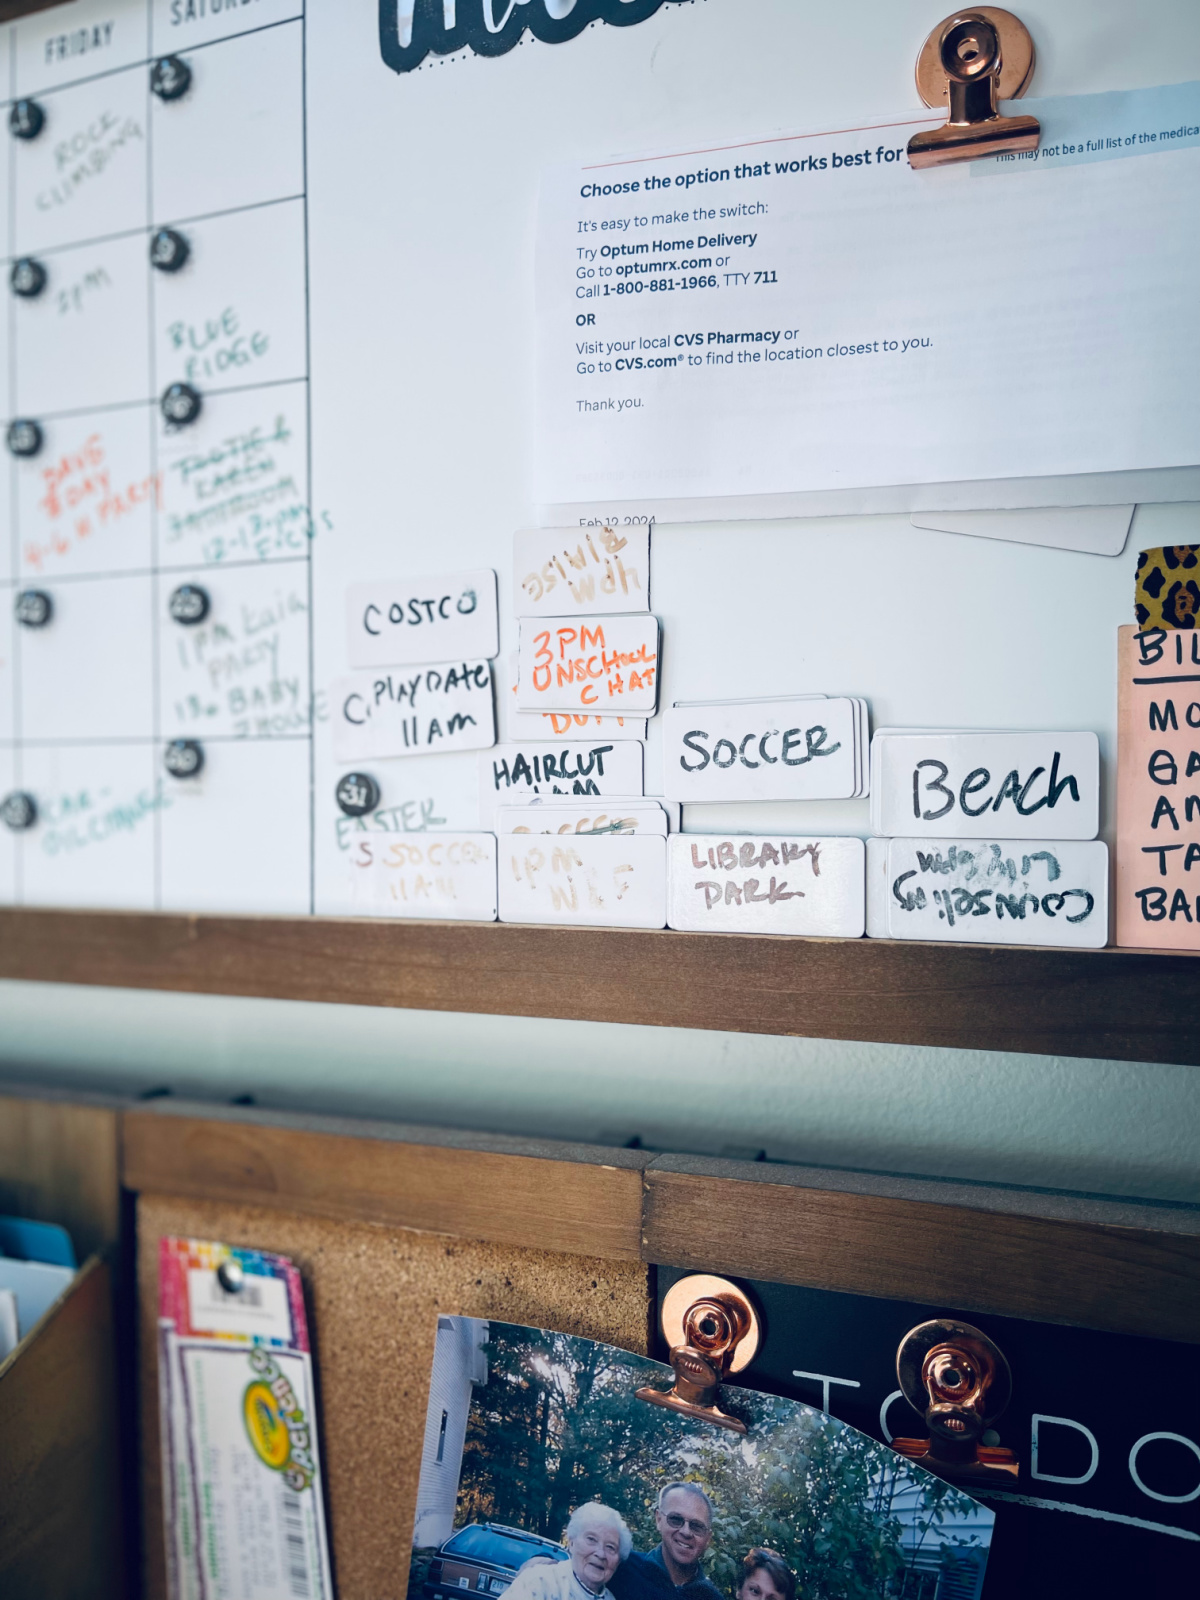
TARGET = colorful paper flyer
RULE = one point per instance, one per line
(242, 1491)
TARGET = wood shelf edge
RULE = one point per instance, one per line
(1109, 1004)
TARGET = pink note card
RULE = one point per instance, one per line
(1158, 788)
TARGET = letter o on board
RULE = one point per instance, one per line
(1169, 1499)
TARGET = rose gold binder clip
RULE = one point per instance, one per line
(972, 61)
(713, 1329)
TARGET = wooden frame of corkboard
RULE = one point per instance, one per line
(392, 1224)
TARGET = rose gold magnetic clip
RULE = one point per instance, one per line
(713, 1329)
(971, 61)
(960, 1379)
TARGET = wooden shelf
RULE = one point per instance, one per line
(1115, 1004)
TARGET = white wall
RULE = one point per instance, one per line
(1051, 1121)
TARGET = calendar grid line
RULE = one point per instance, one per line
(147, 228)
(151, 56)
(312, 790)
(152, 367)
(151, 402)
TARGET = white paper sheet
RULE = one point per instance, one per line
(789, 314)
(1097, 530)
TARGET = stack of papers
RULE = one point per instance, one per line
(37, 1263)
(794, 747)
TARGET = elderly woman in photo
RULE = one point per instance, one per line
(597, 1542)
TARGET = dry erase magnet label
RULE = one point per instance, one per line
(441, 876)
(425, 711)
(584, 817)
(515, 772)
(585, 881)
(983, 785)
(605, 667)
(767, 885)
(562, 724)
(770, 750)
(581, 572)
(404, 621)
(999, 891)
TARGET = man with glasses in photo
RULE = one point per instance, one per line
(684, 1522)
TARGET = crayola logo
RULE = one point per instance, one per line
(266, 1426)
(275, 1423)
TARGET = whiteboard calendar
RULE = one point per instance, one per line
(269, 484)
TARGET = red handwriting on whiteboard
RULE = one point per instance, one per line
(79, 499)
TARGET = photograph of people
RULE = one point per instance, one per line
(597, 1541)
(683, 1517)
(766, 1576)
(546, 1476)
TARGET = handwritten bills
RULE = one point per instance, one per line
(969, 785)
(437, 876)
(404, 621)
(605, 667)
(418, 711)
(766, 885)
(1158, 788)
(995, 891)
(585, 881)
(581, 572)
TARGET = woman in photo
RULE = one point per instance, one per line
(597, 1542)
(766, 1576)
